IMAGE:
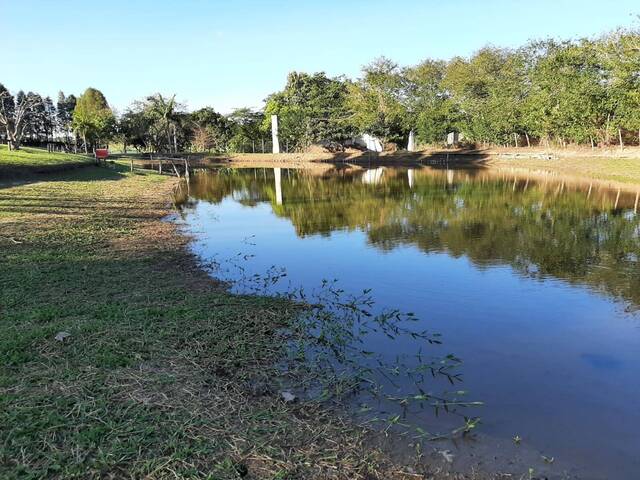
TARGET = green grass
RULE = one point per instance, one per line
(154, 380)
(36, 160)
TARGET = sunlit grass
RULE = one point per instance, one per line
(35, 158)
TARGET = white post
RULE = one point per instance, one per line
(410, 177)
(411, 146)
(278, 174)
(274, 134)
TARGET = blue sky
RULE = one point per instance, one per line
(234, 53)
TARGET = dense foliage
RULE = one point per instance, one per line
(311, 109)
(546, 92)
(582, 92)
(92, 118)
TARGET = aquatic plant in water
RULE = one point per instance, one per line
(329, 358)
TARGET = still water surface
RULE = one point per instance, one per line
(532, 281)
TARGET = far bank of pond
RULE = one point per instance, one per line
(532, 279)
(615, 167)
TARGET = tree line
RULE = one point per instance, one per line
(155, 124)
(547, 92)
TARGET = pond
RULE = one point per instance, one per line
(532, 281)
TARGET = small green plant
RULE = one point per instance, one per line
(329, 359)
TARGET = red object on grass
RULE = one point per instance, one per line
(102, 153)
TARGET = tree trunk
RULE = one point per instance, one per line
(86, 147)
(175, 141)
(13, 140)
(528, 141)
(620, 138)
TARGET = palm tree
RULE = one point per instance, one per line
(164, 110)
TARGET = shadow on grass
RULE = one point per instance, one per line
(74, 172)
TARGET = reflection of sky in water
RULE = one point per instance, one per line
(602, 361)
(545, 342)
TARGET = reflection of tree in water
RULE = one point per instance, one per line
(537, 229)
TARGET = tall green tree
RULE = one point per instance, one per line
(245, 124)
(93, 120)
(311, 108)
(163, 111)
(132, 129)
(380, 103)
(210, 130)
(567, 93)
(620, 52)
(487, 90)
(64, 115)
(434, 112)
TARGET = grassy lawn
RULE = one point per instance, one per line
(154, 379)
(34, 160)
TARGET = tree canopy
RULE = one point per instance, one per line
(93, 120)
(312, 108)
